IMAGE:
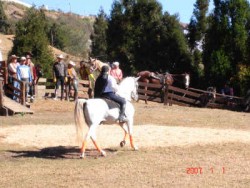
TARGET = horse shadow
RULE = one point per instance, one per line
(58, 152)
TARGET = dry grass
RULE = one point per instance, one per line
(149, 167)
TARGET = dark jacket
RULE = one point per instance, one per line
(100, 84)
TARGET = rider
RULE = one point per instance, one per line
(106, 86)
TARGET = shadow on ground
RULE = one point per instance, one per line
(59, 152)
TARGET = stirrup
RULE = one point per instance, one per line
(122, 119)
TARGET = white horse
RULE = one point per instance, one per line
(96, 112)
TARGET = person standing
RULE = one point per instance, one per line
(33, 75)
(116, 72)
(24, 74)
(12, 68)
(12, 73)
(72, 81)
(59, 75)
(1, 56)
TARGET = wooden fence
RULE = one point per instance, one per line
(46, 88)
(187, 97)
(9, 89)
(3, 72)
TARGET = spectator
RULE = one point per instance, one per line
(59, 75)
(24, 74)
(39, 73)
(227, 90)
(12, 73)
(1, 56)
(72, 81)
(12, 68)
(116, 72)
(33, 75)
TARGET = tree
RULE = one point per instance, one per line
(222, 57)
(99, 37)
(31, 36)
(198, 23)
(120, 35)
(140, 36)
(57, 36)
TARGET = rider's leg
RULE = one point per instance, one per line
(122, 102)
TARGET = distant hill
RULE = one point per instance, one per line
(15, 10)
(7, 43)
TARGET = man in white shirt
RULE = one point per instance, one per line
(23, 74)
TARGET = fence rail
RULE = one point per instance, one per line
(187, 97)
(46, 88)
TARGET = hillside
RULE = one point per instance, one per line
(73, 27)
(7, 43)
(15, 12)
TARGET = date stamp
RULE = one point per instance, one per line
(200, 170)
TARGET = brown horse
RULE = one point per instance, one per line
(182, 80)
(179, 80)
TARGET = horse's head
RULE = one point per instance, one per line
(169, 79)
(211, 92)
(128, 88)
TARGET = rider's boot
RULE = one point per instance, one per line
(122, 117)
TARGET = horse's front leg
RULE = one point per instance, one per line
(130, 132)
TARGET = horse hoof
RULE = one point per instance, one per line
(122, 143)
(81, 155)
(136, 148)
(103, 153)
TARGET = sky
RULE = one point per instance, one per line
(91, 7)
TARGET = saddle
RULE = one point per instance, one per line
(111, 104)
(158, 76)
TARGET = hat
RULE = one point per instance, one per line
(22, 58)
(13, 57)
(116, 63)
(72, 63)
(60, 56)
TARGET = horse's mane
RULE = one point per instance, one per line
(125, 87)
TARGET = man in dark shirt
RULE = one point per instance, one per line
(59, 75)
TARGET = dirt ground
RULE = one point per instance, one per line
(178, 147)
(156, 125)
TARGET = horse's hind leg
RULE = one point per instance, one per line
(125, 128)
(90, 134)
(103, 153)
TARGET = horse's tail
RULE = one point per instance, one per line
(79, 119)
